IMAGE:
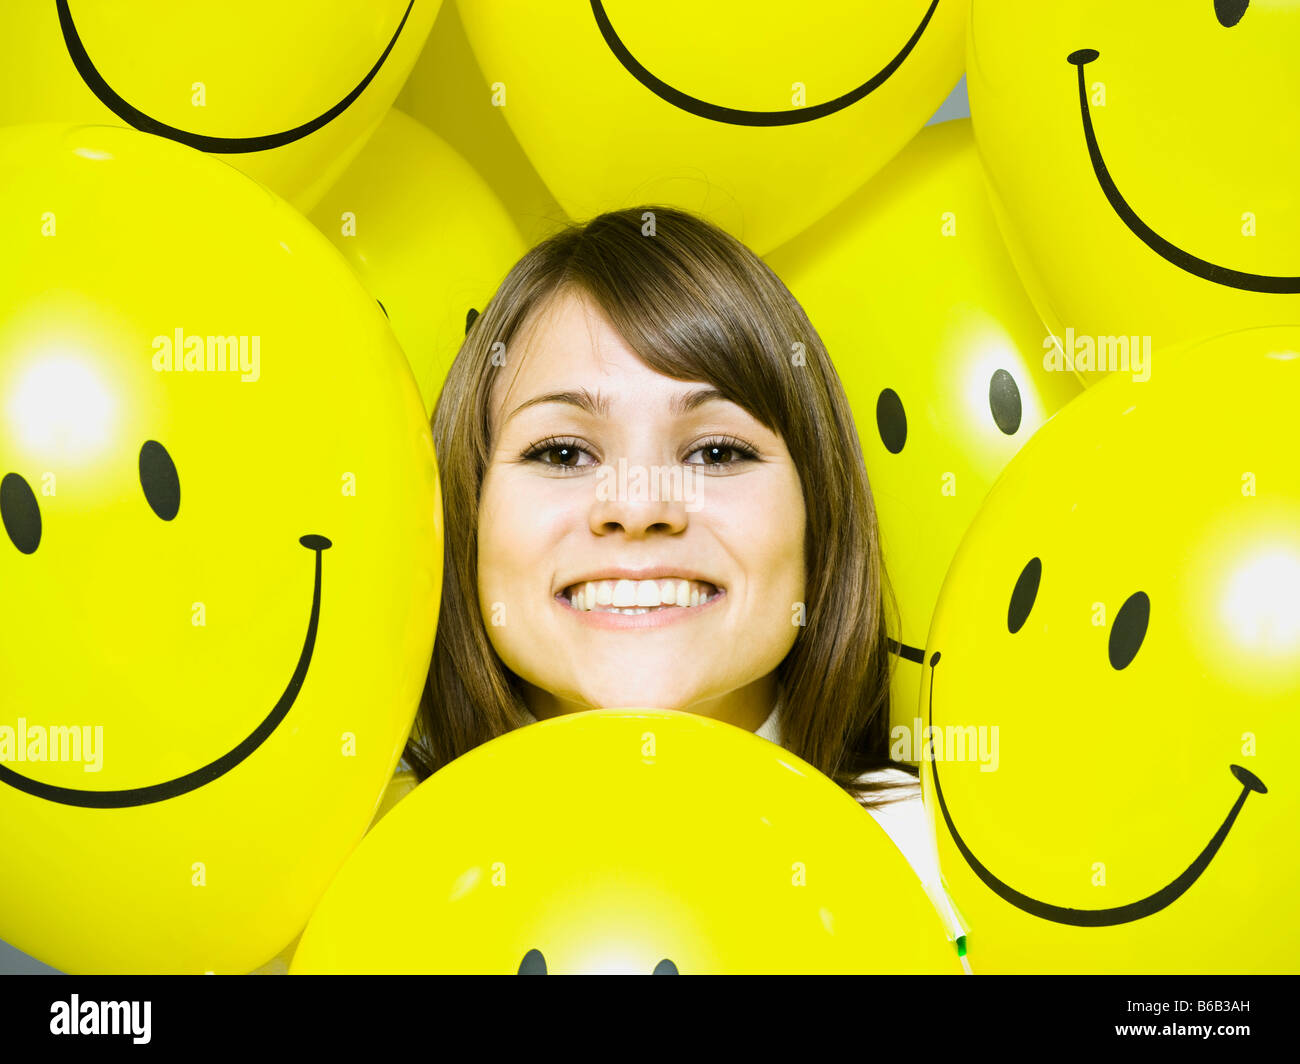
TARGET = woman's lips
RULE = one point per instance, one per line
(625, 603)
(617, 593)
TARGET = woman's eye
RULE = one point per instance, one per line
(721, 452)
(566, 454)
(570, 454)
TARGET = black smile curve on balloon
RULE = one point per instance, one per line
(1120, 914)
(733, 116)
(192, 781)
(220, 145)
(907, 652)
(1208, 271)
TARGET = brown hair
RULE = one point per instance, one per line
(696, 305)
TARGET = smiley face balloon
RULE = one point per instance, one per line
(1114, 677)
(221, 556)
(647, 842)
(427, 236)
(287, 92)
(1142, 159)
(941, 356)
(760, 116)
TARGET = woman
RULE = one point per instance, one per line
(655, 497)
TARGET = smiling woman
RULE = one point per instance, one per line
(650, 341)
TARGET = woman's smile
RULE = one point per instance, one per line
(620, 601)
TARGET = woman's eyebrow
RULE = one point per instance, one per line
(598, 405)
(594, 404)
(689, 401)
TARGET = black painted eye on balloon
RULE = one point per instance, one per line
(1230, 12)
(1129, 629)
(159, 479)
(20, 512)
(891, 421)
(1024, 594)
(1004, 402)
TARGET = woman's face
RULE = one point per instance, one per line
(640, 540)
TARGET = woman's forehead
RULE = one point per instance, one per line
(568, 323)
(568, 345)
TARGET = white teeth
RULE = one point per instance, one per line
(637, 596)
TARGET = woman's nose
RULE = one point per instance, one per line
(637, 501)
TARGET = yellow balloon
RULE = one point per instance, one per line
(1120, 634)
(288, 91)
(427, 237)
(647, 841)
(760, 116)
(1143, 209)
(402, 784)
(446, 93)
(941, 355)
(221, 556)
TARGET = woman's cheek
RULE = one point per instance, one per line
(763, 528)
(521, 521)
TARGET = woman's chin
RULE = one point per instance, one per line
(625, 693)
